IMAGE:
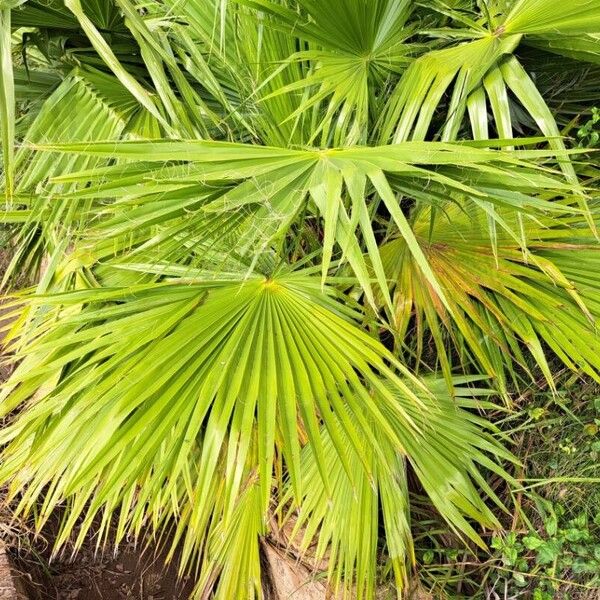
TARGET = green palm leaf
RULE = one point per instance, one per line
(270, 186)
(233, 374)
(501, 302)
(345, 524)
(352, 49)
(486, 68)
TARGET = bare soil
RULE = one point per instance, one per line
(132, 574)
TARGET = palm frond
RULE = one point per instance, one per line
(7, 100)
(86, 105)
(234, 374)
(343, 526)
(352, 48)
(504, 304)
(270, 186)
(485, 69)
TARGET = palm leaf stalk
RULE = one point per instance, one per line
(277, 248)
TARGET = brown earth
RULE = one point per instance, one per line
(131, 575)
(135, 572)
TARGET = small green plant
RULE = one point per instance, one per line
(589, 133)
(561, 550)
(551, 550)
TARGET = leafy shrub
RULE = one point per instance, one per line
(288, 254)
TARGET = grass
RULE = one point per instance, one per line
(551, 548)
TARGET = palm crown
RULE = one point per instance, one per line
(279, 242)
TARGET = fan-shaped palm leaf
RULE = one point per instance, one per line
(353, 47)
(233, 375)
(486, 69)
(346, 523)
(272, 184)
(504, 302)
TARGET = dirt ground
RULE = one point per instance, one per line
(133, 574)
